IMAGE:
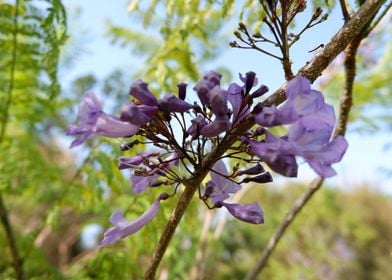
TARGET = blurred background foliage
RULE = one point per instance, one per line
(58, 202)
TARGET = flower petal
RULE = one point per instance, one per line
(249, 213)
(222, 187)
(171, 103)
(123, 228)
(130, 112)
(218, 126)
(109, 126)
(92, 120)
(140, 91)
(204, 86)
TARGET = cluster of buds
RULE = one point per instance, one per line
(179, 135)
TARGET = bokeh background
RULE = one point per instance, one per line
(58, 201)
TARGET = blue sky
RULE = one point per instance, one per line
(365, 156)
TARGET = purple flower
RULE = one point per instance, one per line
(221, 185)
(254, 170)
(129, 162)
(235, 97)
(92, 120)
(310, 138)
(134, 114)
(205, 85)
(249, 213)
(197, 124)
(123, 228)
(170, 103)
(236, 94)
(273, 152)
(141, 182)
(140, 91)
(219, 125)
(301, 101)
(182, 90)
(218, 101)
(249, 80)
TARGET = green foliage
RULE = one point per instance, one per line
(339, 235)
(191, 33)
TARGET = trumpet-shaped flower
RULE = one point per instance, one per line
(122, 228)
(301, 101)
(222, 186)
(92, 120)
(249, 213)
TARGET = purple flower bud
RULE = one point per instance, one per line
(128, 146)
(206, 84)
(122, 228)
(170, 103)
(257, 169)
(249, 80)
(131, 113)
(260, 91)
(249, 213)
(182, 90)
(129, 162)
(218, 101)
(262, 178)
(140, 91)
(197, 124)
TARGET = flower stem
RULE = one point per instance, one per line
(175, 218)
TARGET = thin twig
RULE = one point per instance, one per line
(288, 72)
(311, 71)
(343, 7)
(377, 20)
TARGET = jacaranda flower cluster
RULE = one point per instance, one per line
(181, 135)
